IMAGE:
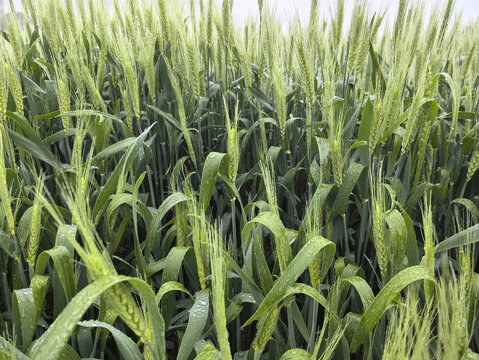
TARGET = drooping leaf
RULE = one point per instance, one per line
(196, 324)
(387, 294)
(292, 273)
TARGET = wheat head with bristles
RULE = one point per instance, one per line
(266, 327)
(279, 95)
(63, 96)
(194, 69)
(218, 277)
(453, 335)
(181, 112)
(15, 84)
(378, 206)
(473, 164)
(428, 259)
(99, 264)
(267, 171)
(409, 330)
(233, 143)
(4, 190)
(199, 234)
(36, 224)
(334, 119)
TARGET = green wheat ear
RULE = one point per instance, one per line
(218, 277)
(267, 169)
(314, 227)
(36, 223)
(199, 234)
(181, 111)
(99, 264)
(266, 327)
(378, 205)
(428, 259)
(233, 143)
(409, 330)
(260, 5)
(63, 96)
(473, 165)
(4, 190)
(453, 328)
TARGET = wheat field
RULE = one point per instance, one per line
(175, 186)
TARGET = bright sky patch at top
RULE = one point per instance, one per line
(286, 10)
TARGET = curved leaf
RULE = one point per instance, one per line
(114, 149)
(196, 324)
(292, 273)
(296, 354)
(350, 180)
(470, 206)
(468, 236)
(168, 287)
(31, 141)
(23, 313)
(377, 307)
(209, 352)
(363, 289)
(87, 112)
(63, 264)
(211, 171)
(49, 346)
(126, 345)
(123, 166)
(9, 349)
(165, 206)
(274, 224)
(39, 286)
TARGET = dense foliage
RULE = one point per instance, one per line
(174, 186)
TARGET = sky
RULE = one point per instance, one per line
(285, 9)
